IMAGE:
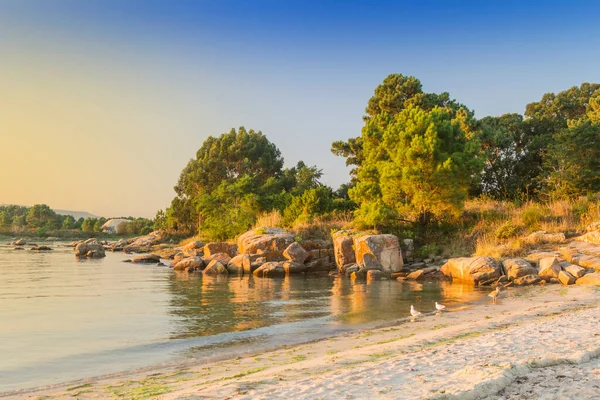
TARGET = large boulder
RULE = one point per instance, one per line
(549, 268)
(146, 259)
(188, 264)
(343, 249)
(382, 250)
(270, 270)
(218, 247)
(215, 268)
(193, 249)
(517, 267)
(477, 270)
(265, 239)
(296, 253)
(252, 262)
(236, 264)
(589, 279)
(89, 248)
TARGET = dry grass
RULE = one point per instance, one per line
(498, 229)
(321, 228)
(271, 219)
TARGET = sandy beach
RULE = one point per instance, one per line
(536, 343)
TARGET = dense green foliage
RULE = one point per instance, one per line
(421, 154)
(234, 178)
(42, 220)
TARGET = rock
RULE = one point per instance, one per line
(194, 245)
(265, 239)
(215, 268)
(211, 249)
(41, 248)
(320, 265)
(270, 270)
(545, 237)
(574, 270)
(146, 259)
(472, 269)
(383, 250)
(566, 278)
(417, 265)
(20, 242)
(292, 267)
(351, 269)
(251, 263)
(408, 249)
(590, 237)
(343, 249)
(18, 248)
(536, 256)
(89, 248)
(527, 280)
(375, 275)
(190, 262)
(295, 252)
(517, 267)
(236, 264)
(589, 279)
(223, 258)
(549, 267)
(345, 267)
(143, 244)
(422, 274)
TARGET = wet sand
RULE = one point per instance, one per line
(537, 342)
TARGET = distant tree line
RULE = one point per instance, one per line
(419, 157)
(41, 219)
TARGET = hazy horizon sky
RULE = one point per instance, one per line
(103, 102)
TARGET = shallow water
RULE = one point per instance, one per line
(62, 319)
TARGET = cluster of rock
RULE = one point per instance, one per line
(263, 252)
(578, 262)
(34, 247)
(140, 244)
(367, 257)
(89, 248)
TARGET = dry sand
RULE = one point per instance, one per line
(536, 343)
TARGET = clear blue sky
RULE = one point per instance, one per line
(114, 97)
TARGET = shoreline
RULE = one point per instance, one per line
(399, 352)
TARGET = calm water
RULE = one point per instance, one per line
(62, 319)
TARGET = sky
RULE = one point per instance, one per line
(104, 102)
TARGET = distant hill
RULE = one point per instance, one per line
(75, 214)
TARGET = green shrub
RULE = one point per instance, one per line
(507, 230)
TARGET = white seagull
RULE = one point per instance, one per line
(414, 312)
(439, 307)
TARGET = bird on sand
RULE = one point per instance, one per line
(495, 294)
(439, 307)
(414, 312)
